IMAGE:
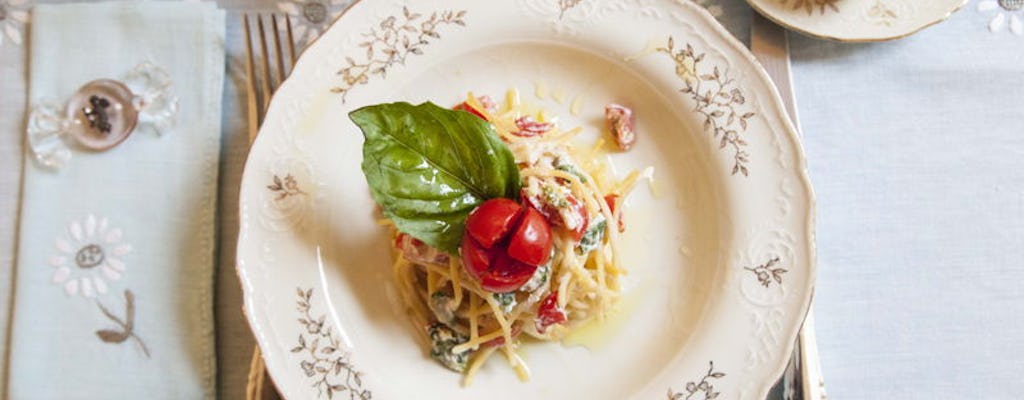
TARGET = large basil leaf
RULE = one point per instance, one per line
(428, 167)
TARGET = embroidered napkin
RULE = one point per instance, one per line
(113, 294)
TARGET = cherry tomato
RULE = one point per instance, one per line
(554, 215)
(529, 127)
(504, 243)
(549, 313)
(531, 242)
(613, 203)
(620, 122)
(464, 106)
(492, 221)
(493, 268)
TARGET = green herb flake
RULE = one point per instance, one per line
(540, 277)
(594, 235)
(563, 164)
(506, 300)
(441, 304)
(442, 340)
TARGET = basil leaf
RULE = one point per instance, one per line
(429, 166)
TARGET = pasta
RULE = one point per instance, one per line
(573, 186)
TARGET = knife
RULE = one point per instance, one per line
(802, 379)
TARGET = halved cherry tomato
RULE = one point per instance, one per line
(554, 215)
(531, 242)
(503, 244)
(529, 127)
(493, 268)
(507, 274)
(549, 313)
(620, 122)
(492, 221)
(613, 203)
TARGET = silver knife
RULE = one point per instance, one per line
(802, 379)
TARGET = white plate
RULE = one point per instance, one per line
(857, 20)
(702, 310)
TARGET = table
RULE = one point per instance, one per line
(914, 148)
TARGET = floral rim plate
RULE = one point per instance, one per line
(719, 241)
(857, 20)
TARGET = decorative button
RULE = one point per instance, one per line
(102, 114)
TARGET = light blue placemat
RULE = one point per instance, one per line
(113, 295)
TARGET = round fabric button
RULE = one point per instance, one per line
(102, 114)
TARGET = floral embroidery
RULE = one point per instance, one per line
(718, 100)
(768, 272)
(703, 386)
(310, 18)
(391, 43)
(13, 18)
(286, 187)
(810, 4)
(323, 358)
(1006, 11)
(89, 255)
(127, 325)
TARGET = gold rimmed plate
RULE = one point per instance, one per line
(857, 20)
(719, 243)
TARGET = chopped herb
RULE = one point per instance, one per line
(563, 164)
(555, 195)
(507, 301)
(593, 237)
(442, 339)
(539, 278)
(441, 305)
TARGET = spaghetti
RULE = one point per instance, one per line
(572, 187)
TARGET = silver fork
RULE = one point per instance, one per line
(260, 87)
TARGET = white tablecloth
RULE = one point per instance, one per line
(915, 150)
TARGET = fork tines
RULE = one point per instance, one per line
(261, 84)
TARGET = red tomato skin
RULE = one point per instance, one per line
(548, 313)
(613, 203)
(493, 268)
(475, 258)
(492, 221)
(531, 241)
(506, 274)
(464, 106)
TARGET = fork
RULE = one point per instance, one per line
(259, 93)
(260, 88)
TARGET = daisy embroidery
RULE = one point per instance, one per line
(88, 256)
(13, 17)
(1008, 13)
(312, 17)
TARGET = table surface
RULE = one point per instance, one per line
(914, 148)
